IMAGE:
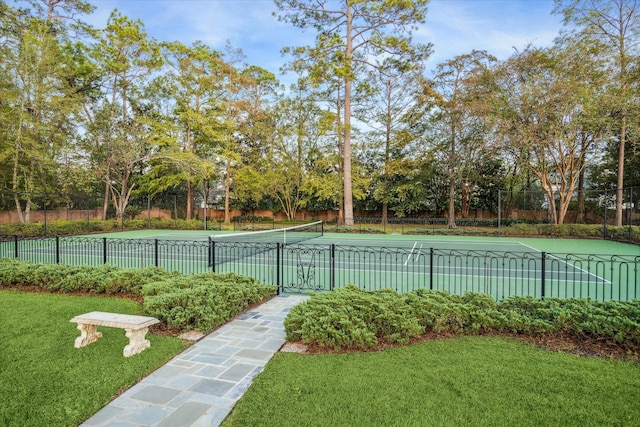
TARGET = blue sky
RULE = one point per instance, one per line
(453, 26)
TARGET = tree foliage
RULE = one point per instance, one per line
(366, 126)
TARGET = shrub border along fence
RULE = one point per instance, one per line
(303, 268)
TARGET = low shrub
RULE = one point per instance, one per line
(252, 218)
(181, 302)
(358, 230)
(202, 301)
(79, 227)
(351, 318)
(104, 279)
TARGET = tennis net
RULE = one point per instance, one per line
(287, 236)
(263, 244)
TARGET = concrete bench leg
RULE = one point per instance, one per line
(88, 334)
(137, 342)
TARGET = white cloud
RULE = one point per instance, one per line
(498, 26)
(453, 26)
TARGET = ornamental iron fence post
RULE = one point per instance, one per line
(57, 249)
(212, 254)
(278, 281)
(543, 256)
(155, 252)
(430, 268)
(332, 267)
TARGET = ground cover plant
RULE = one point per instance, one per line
(465, 380)
(44, 380)
(354, 319)
(200, 301)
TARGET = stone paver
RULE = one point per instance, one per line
(200, 386)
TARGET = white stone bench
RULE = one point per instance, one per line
(136, 327)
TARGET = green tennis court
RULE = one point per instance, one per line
(500, 267)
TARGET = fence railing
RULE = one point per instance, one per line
(303, 268)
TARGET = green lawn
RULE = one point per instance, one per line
(44, 380)
(465, 381)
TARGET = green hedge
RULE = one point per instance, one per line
(351, 318)
(473, 226)
(73, 228)
(201, 301)
(253, 218)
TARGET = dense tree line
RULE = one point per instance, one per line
(112, 111)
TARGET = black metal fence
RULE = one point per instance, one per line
(174, 255)
(303, 268)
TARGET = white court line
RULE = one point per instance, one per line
(588, 273)
(530, 247)
(411, 253)
(380, 243)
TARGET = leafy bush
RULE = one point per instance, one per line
(200, 301)
(252, 218)
(614, 321)
(359, 230)
(104, 279)
(351, 318)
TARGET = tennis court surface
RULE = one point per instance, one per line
(303, 259)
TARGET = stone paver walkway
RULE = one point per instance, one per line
(200, 386)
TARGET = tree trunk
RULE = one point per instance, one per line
(340, 160)
(189, 199)
(551, 207)
(348, 189)
(105, 202)
(15, 189)
(18, 207)
(580, 217)
(385, 213)
(465, 204)
(620, 182)
(27, 209)
(227, 192)
(623, 126)
(190, 148)
(451, 215)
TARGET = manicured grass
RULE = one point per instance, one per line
(464, 381)
(44, 380)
